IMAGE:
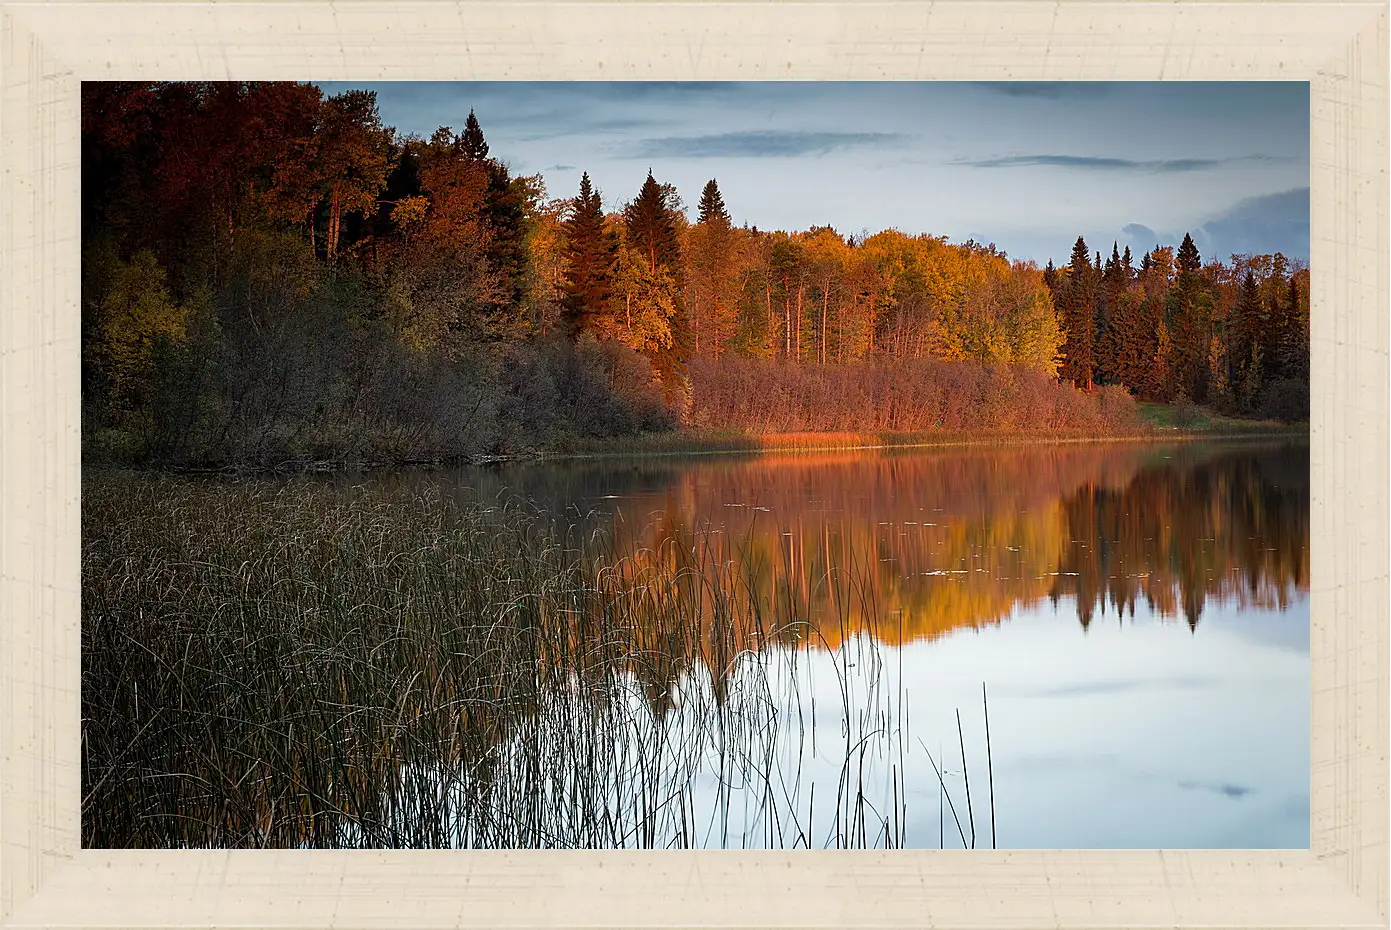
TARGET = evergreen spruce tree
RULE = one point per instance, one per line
(1107, 297)
(1294, 338)
(711, 286)
(1189, 262)
(651, 227)
(506, 208)
(1247, 329)
(471, 143)
(1191, 326)
(590, 254)
(1079, 318)
(1277, 326)
(712, 209)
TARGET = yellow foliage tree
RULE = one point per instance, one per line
(134, 315)
(644, 304)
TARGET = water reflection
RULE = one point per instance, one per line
(1130, 733)
(945, 540)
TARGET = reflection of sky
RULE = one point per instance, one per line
(1139, 735)
(1135, 735)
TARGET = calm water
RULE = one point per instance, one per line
(1139, 615)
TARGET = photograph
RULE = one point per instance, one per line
(695, 465)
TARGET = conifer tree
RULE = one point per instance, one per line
(1248, 328)
(651, 227)
(590, 254)
(471, 143)
(1294, 339)
(1078, 302)
(1189, 314)
(712, 209)
(711, 291)
(1111, 286)
(1189, 262)
(1277, 326)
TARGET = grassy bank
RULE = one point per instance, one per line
(1194, 418)
(1155, 423)
(1159, 423)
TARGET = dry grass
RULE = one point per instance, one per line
(303, 665)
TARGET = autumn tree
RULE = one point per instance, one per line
(827, 256)
(440, 285)
(652, 230)
(546, 249)
(353, 159)
(644, 304)
(134, 315)
(712, 275)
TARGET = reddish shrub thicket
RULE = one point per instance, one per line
(769, 396)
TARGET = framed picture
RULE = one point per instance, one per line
(652, 464)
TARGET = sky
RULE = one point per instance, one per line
(1027, 166)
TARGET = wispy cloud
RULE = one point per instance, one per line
(1098, 163)
(761, 144)
(559, 124)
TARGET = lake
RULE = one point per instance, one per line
(1138, 614)
(1093, 645)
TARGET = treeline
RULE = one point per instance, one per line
(1235, 336)
(271, 273)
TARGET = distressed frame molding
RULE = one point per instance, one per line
(46, 49)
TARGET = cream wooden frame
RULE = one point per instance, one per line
(47, 880)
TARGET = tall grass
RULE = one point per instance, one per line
(304, 665)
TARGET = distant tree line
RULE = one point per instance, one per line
(1234, 336)
(271, 273)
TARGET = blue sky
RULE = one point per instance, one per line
(1028, 166)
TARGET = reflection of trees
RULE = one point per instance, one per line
(707, 560)
(1233, 526)
(906, 547)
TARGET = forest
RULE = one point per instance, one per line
(272, 275)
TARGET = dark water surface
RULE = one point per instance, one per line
(1139, 614)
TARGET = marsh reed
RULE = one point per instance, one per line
(304, 664)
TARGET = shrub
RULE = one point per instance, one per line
(1285, 399)
(769, 396)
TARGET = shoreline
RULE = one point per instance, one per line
(692, 444)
